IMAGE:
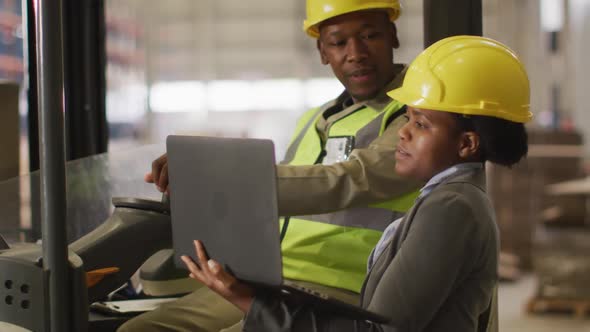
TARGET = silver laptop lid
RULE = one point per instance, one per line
(223, 192)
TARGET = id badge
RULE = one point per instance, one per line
(338, 149)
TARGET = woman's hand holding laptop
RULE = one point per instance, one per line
(214, 276)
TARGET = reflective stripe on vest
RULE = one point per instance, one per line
(332, 249)
(311, 116)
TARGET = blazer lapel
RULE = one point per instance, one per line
(477, 178)
(382, 262)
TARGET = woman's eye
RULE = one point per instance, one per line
(419, 125)
(406, 118)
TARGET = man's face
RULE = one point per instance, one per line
(429, 143)
(359, 48)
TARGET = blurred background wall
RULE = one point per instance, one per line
(247, 69)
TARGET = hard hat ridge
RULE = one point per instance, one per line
(321, 10)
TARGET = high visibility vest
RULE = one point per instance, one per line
(332, 249)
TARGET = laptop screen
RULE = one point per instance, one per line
(223, 192)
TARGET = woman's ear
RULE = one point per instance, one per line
(469, 145)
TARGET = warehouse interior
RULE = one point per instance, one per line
(246, 69)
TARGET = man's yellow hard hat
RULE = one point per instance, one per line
(469, 75)
(321, 10)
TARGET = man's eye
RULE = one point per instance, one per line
(337, 43)
(371, 35)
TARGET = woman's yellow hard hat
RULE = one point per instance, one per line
(469, 75)
(321, 10)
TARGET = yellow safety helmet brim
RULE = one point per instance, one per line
(468, 75)
(333, 8)
(482, 109)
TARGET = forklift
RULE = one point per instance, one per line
(48, 286)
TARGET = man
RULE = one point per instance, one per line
(341, 159)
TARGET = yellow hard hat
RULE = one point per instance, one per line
(321, 10)
(468, 75)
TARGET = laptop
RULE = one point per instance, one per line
(223, 192)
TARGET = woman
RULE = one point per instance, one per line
(467, 98)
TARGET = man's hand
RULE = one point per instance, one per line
(210, 273)
(159, 174)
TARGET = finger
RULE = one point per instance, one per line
(156, 167)
(197, 275)
(214, 266)
(202, 257)
(148, 178)
(190, 264)
(156, 170)
(163, 180)
(195, 272)
(219, 273)
(201, 254)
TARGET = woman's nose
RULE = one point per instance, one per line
(404, 132)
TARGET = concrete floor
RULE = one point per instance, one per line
(512, 300)
(512, 297)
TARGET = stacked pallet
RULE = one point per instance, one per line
(518, 194)
(562, 266)
(561, 251)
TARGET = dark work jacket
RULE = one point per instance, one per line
(438, 273)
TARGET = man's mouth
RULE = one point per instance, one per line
(362, 75)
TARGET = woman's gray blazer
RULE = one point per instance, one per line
(438, 273)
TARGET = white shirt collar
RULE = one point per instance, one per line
(447, 173)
